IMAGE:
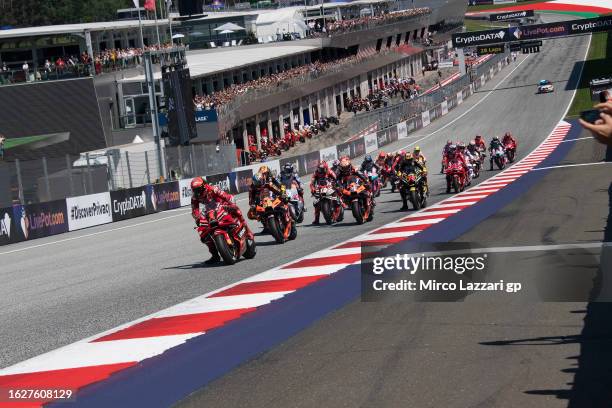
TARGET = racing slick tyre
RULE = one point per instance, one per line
(510, 156)
(500, 163)
(341, 215)
(456, 186)
(357, 211)
(414, 199)
(300, 217)
(251, 249)
(275, 230)
(227, 254)
(292, 232)
(327, 212)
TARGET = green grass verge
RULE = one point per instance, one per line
(10, 143)
(496, 6)
(598, 64)
(477, 25)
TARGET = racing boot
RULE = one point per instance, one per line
(317, 215)
(215, 254)
(491, 163)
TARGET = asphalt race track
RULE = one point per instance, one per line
(61, 289)
(468, 354)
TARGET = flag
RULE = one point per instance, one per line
(149, 5)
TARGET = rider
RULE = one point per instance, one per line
(335, 166)
(260, 179)
(381, 159)
(210, 197)
(467, 158)
(346, 170)
(495, 147)
(322, 172)
(454, 154)
(509, 140)
(445, 151)
(289, 175)
(368, 164)
(480, 143)
(472, 152)
(409, 165)
(418, 156)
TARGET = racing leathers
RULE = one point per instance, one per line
(495, 147)
(410, 166)
(325, 174)
(210, 197)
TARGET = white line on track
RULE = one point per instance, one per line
(469, 110)
(580, 138)
(571, 165)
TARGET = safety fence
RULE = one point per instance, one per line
(24, 222)
(51, 178)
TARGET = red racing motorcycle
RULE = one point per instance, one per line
(456, 177)
(227, 233)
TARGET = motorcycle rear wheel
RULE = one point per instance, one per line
(455, 186)
(275, 230)
(227, 254)
(251, 249)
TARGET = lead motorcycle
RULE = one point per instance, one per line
(227, 233)
(412, 189)
(296, 201)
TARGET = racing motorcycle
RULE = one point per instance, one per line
(296, 201)
(274, 213)
(510, 149)
(456, 178)
(326, 196)
(374, 182)
(227, 233)
(356, 196)
(476, 166)
(385, 175)
(411, 187)
(500, 159)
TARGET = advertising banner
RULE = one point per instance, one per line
(444, 106)
(402, 130)
(467, 39)
(8, 228)
(382, 137)
(39, 220)
(162, 197)
(591, 25)
(344, 149)
(411, 125)
(221, 181)
(294, 160)
(371, 142)
(358, 147)
(513, 15)
(425, 118)
(329, 154)
(393, 134)
(243, 180)
(129, 203)
(87, 211)
(490, 49)
(185, 189)
(274, 166)
(312, 160)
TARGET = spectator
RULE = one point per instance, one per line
(602, 128)
(2, 140)
(4, 67)
(26, 69)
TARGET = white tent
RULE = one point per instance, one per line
(229, 26)
(284, 20)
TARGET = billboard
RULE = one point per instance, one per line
(39, 220)
(358, 147)
(8, 231)
(128, 203)
(87, 211)
(425, 118)
(163, 196)
(344, 149)
(371, 142)
(329, 154)
(185, 190)
(490, 49)
(513, 15)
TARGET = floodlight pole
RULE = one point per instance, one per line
(150, 79)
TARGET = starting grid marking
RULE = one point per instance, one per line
(98, 357)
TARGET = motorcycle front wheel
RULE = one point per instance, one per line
(275, 230)
(357, 211)
(228, 254)
(326, 209)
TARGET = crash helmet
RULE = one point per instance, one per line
(322, 168)
(508, 134)
(478, 138)
(198, 185)
(449, 142)
(367, 158)
(461, 145)
(288, 169)
(401, 153)
(345, 164)
(382, 155)
(417, 150)
(472, 145)
(496, 138)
